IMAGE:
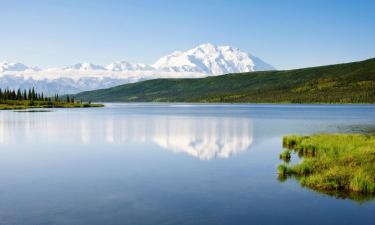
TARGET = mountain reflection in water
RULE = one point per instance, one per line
(202, 137)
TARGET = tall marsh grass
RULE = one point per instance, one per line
(332, 162)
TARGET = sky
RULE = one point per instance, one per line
(287, 34)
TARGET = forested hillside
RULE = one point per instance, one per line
(342, 83)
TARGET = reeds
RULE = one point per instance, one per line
(285, 155)
(343, 162)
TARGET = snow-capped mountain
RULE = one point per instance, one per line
(201, 61)
(211, 59)
(8, 66)
(84, 67)
(127, 66)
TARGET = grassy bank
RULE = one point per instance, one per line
(332, 162)
(26, 104)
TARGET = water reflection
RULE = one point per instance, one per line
(202, 137)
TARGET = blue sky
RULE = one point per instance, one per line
(286, 34)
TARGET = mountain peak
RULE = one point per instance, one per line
(85, 66)
(121, 66)
(211, 59)
(16, 67)
(207, 46)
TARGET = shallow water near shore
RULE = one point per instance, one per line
(167, 164)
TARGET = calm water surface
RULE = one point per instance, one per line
(166, 164)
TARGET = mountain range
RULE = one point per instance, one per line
(201, 61)
(341, 83)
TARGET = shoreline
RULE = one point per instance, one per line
(70, 105)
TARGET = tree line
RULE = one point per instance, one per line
(30, 95)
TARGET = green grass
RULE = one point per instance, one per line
(332, 162)
(17, 105)
(285, 155)
(343, 83)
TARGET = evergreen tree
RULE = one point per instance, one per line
(19, 95)
(33, 95)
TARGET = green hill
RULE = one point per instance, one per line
(342, 83)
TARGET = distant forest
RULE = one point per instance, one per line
(25, 99)
(30, 95)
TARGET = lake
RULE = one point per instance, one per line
(167, 164)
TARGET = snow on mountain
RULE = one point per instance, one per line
(127, 66)
(211, 59)
(84, 67)
(201, 61)
(8, 66)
